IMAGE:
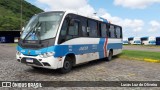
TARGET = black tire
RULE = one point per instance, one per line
(67, 65)
(37, 68)
(109, 58)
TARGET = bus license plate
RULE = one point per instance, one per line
(29, 60)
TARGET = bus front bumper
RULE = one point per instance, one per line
(37, 61)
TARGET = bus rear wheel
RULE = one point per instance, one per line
(109, 58)
(67, 66)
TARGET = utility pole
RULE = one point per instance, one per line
(21, 17)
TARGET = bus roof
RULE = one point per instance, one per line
(90, 16)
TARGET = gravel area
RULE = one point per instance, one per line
(116, 70)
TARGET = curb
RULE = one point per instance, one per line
(152, 60)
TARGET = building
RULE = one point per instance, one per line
(9, 36)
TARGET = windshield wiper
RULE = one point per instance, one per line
(34, 30)
(37, 33)
(28, 34)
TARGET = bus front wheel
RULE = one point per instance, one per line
(67, 66)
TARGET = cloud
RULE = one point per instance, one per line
(131, 27)
(80, 6)
(135, 4)
(134, 25)
(155, 23)
(155, 26)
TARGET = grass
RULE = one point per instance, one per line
(140, 55)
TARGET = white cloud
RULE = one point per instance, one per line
(81, 6)
(155, 26)
(134, 25)
(135, 4)
(155, 23)
(131, 27)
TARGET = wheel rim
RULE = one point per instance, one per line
(67, 65)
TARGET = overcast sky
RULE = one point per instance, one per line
(137, 17)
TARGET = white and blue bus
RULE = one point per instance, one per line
(148, 40)
(134, 40)
(62, 39)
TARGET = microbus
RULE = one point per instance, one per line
(63, 39)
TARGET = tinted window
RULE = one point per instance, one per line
(129, 39)
(92, 27)
(73, 30)
(63, 32)
(112, 32)
(118, 32)
(64, 28)
(144, 39)
(84, 26)
(103, 30)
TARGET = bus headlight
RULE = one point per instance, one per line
(18, 53)
(48, 54)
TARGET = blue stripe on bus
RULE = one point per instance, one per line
(101, 46)
(62, 50)
(114, 46)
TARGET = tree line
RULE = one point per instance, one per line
(10, 13)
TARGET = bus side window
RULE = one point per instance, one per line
(64, 28)
(92, 28)
(118, 32)
(73, 31)
(107, 27)
(103, 30)
(112, 31)
(121, 34)
(84, 27)
(63, 32)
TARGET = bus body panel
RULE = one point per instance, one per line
(94, 49)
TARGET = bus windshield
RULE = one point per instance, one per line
(42, 26)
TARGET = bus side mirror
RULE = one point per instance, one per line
(71, 23)
(37, 28)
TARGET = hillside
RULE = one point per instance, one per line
(10, 17)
